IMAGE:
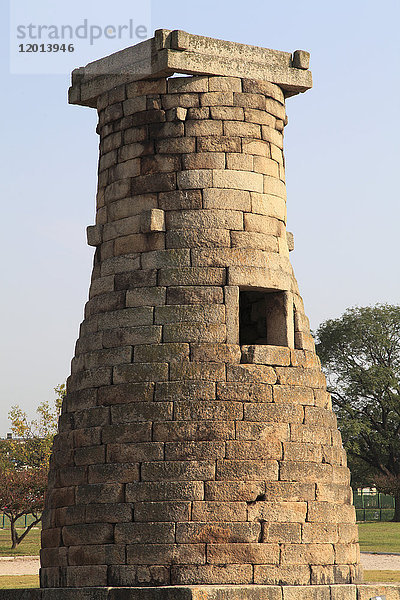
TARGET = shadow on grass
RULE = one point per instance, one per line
(379, 537)
(381, 576)
(18, 581)
(30, 546)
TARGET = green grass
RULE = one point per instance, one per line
(381, 576)
(30, 546)
(379, 537)
(18, 581)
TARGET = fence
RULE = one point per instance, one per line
(373, 506)
(21, 523)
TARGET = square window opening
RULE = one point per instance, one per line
(262, 318)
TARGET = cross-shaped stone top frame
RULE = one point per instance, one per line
(177, 51)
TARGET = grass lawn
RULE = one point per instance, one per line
(18, 581)
(379, 537)
(30, 546)
(381, 576)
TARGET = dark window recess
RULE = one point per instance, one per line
(252, 318)
(262, 318)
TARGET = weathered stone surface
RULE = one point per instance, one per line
(146, 296)
(248, 430)
(164, 491)
(209, 574)
(218, 143)
(197, 444)
(193, 276)
(190, 313)
(228, 353)
(301, 59)
(231, 295)
(76, 535)
(194, 295)
(162, 511)
(193, 430)
(272, 582)
(137, 533)
(226, 113)
(243, 553)
(297, 554)
(126, 393)
(247, 470)
(246, 392)
(286, 512)
(195, 178)
(228, 256)
(178, 470)
(286, 575)
(211, 218)
(201, 371)
(267, 355)
(252, 240)
(227, 199)
(161, 352)
(188, 84)
(251, 374)
(161, 554)
(273, 413)
(194, 332)
(239, 162)
(204, 160)
(239, 180)
(141, 372)
(198, 238)
(185, 390)
(270, 206)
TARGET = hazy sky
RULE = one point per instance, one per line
(342, 160)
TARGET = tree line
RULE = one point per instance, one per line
(360, 354)
(24, 464)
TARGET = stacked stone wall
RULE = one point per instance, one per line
(183, 457)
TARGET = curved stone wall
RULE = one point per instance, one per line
(197, 443)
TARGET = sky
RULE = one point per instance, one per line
(342, 162)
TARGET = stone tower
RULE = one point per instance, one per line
(197, 444)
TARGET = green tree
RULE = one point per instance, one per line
(32, 439)
(360, 354)
(22, 493)
(24, 462)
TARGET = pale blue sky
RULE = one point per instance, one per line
(342, 153)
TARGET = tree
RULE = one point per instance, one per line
(22, 493)
(24, 462)
(360, 354)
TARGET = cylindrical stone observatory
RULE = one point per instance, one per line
(197, 443)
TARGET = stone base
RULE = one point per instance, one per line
(229, 592)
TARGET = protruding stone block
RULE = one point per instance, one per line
(290, 240)
(94, 235)
(180, 40)
(152, 220)
(301, 59)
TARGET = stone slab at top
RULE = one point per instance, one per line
(177, 51)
